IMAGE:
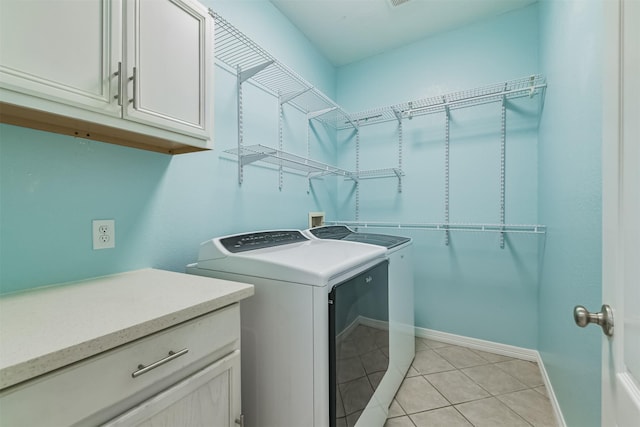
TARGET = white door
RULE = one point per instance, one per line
(65, 50)
(621, 214)
(169, 48)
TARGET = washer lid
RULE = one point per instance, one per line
(341, 232)
(309, 262)
(336, 232)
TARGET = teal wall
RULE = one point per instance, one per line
(53, 186)
(471, 287)
(570, 182)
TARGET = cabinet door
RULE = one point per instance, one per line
(168, 54)
(210, 397)
(65, 50)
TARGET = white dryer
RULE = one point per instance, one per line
(401, 301)
(307, 294)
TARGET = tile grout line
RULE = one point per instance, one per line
(491, 395)
(527, 387)
(454, 405)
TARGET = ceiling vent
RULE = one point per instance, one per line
(396, 3)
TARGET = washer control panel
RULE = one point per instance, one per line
(260, 240)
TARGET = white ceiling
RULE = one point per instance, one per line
(346, 31)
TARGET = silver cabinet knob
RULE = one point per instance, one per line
(583, 317)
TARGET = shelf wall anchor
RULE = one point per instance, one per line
(447, 118)
(309, 124)
(357, 174)
(399, 172)
(280, 143)
(503, 144)
(239, 105)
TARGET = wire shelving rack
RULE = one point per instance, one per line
(447, 227)
(530, 86)
(242, 56)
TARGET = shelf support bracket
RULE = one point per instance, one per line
(532, 90)
(398, 115)
(293, 95)
(243, 76)
(354, 125)
(251, 158)
(314, 114)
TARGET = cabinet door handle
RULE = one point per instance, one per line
(133, 79)
(240, 420)
(172, 355)
(118, 73)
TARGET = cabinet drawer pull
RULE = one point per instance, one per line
(172, 355)
(119, 74)
(133, 98)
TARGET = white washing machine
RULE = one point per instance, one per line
(296, 343)
(401, 304)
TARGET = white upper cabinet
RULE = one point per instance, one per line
(167, 61)
(131, 72)
(63, 50)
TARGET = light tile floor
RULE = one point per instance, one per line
(452, 386)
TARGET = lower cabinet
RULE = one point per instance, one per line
(186, 375)
(209, 397)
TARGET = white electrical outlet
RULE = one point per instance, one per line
(104, 234)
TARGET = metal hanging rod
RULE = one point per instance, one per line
(530, 86)
(446, 227)
(236, 51)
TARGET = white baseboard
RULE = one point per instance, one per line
(502, 349)
(552, 396)
(490, 346)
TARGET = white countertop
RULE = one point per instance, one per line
(51, 327)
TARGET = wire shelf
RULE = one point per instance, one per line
(241, 54)
(519, 88)
(312, 168)
(441, 226)
(250, 62)
(379, 173)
